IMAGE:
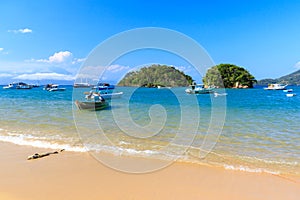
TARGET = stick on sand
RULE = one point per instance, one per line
(37, 155)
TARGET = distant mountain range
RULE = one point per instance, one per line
(291, 79)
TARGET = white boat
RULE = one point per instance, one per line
(276, 86)
(82, 85)
(106, 96)
(53, 88)
(18, 85)
(288, 90)
(104, 86)
(199, 89)
(290, 94)
(163, 87)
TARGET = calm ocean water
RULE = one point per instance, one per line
(261, 132)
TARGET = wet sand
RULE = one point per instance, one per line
(78, 176)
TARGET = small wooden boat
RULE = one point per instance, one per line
(91, 105)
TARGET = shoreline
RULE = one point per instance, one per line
(77, 175)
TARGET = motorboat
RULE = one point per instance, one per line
(104, 86)
(18, 85)
(82, 85)
(199, 89)
(276, 86)
(288, 90)
(290, 94)
(53, 88)
(106, 95)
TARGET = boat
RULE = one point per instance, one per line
(276, 86)
(104, 86)
(53, 88)
(199, 89)
(288, 90)
(290, 94)
(107, 96)
(18, 85)
(163, 87)
(82, 85)
(98, 104)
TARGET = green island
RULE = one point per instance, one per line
(228, 76)
(156, 75)
(219, 76)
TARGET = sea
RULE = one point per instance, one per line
(251, 130)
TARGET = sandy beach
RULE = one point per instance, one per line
(70, 175)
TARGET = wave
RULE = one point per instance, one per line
(27, 140)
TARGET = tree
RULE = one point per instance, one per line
(156, 75)
(228, 76)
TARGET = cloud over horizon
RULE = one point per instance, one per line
(45, 76)
(59, 58)
(21, 30)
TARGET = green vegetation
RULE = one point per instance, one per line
(291, 79)
(228, 76)
(156, 75)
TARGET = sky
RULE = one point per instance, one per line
(50, 40)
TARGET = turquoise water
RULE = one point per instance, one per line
(261, 131)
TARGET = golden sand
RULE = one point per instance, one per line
(73, 176)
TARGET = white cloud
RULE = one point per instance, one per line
(21, 30)
(45, 76)
(62, 57)
(58, 57)
(297, 65)
(1, 49)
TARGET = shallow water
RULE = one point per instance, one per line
(260, 132)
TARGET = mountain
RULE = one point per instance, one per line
(291, 79)
(156, 75)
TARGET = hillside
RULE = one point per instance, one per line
(156, 75)
(291, 79)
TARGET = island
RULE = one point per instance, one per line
(228, 76)
(156, 75)
(290, 79)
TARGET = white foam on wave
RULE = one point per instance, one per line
(248, 169)
(32, 141)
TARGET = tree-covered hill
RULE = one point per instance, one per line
(228, 76)
(291, 79)
(156, 75)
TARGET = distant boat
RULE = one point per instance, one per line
(276, 86)
(290, 94)
(91, 105)
(288, 90)
(199, 89)
(82, 85)
(163, 87)
(18, 85)
(53, 88)
(104, 86)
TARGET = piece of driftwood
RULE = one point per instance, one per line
(38, 155)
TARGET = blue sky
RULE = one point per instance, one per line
(50, 39)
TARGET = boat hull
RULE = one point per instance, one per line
(91, 105)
